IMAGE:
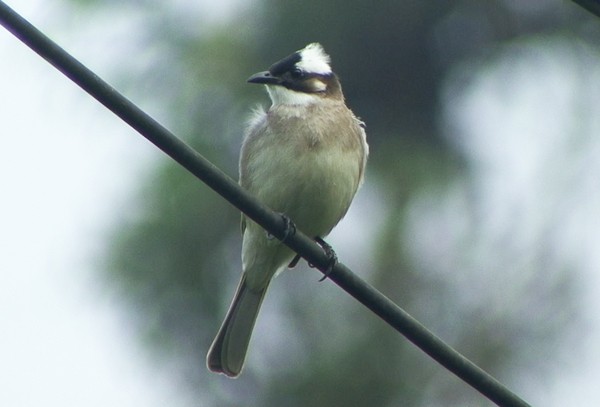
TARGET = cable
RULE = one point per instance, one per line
(271, 221)
(593, 6)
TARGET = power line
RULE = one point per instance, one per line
(593, 6)
(271, 221)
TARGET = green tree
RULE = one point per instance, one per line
(174, 254)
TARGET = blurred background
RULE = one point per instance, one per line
(480, 214)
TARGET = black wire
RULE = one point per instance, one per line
(593, 6)
(271, 221)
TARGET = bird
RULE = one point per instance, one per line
(304, 157)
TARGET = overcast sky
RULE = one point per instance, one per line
(65, 166)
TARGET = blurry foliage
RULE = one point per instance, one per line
(175, 253)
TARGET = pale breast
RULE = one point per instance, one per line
(307, 163)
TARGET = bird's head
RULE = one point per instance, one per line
(303, 77)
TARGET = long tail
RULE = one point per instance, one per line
(228, 351)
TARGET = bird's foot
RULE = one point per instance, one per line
(289, 227)
(294, 261)
(331, 256)
(288, 231)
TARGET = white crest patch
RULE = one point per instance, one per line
(313, 59)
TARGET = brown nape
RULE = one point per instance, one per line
(334, 88)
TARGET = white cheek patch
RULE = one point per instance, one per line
(283, 96)
(313, 59)
(317, 85)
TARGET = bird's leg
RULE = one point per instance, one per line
(289, 228)
(330, 253)
(294, 261)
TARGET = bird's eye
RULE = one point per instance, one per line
(296, 73)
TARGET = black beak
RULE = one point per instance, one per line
(264, 77)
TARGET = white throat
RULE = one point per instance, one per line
(283, 96)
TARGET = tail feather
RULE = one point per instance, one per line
(228, 351)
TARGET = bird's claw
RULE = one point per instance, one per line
(288, 231)
(331, 256)
(294, 261)
(289, 227)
